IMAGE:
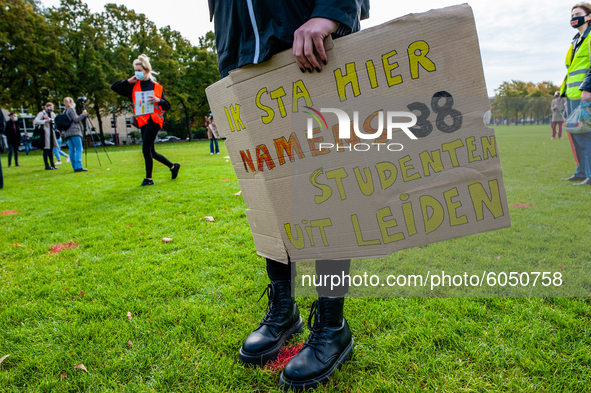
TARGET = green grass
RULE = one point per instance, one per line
(193, 299)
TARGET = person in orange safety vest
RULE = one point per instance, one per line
(150, 124)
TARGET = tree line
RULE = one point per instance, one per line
(517, 100)
(47, 54)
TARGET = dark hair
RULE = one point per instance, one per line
(11, 113)
(585, 6)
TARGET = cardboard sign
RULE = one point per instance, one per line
(317, 189)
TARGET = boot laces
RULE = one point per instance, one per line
(275, 309)
(319, 330)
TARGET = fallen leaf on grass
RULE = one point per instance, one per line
(7, 212)
(63, 246)
(240, 245)
(17, 245)
(128, 225)
(129, 343)
(3, 357)
(520, 206)
(498, 257)
(225, 180)
(80, 367)
(560, 266)
(129, 315)
(166, 239)
(63, 375)
(209, 218)
(238, 193)
(81, 293)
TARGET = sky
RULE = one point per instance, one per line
(519, 40)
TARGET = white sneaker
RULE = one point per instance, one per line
(58, 163)
(211, 154)
(68, 159)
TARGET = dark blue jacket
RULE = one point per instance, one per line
(251, 31)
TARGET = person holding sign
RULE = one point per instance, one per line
(577, 87)
(260, 30)
(149, 105)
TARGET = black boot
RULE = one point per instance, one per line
(326, 349)
(280, 323)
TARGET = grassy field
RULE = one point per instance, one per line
(143, 315)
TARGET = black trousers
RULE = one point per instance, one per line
(11, 150)
(149, 132)
(48, 157)
(281, 271)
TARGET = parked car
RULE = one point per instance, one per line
(107, 143)
(170, 139)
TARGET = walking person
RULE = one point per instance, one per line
(302, 26)
(13, 137)
(212, 134)
(45, 119)
(57, 151)
(73, 135)
(150, 124)
(557, 108)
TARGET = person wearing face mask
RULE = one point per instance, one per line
(13, 137)
(45, 118)
(557, 108)
(577, 87)
(150, 124)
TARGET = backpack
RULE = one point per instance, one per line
(62, 122)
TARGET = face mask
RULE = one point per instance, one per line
(139, 75)
(577, 21)
(49, 110)
(15, 118)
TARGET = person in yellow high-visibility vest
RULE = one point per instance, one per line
(577, 87)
